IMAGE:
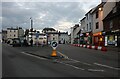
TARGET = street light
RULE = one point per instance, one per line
(31, 23)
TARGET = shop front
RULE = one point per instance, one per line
(86, 38)
(112, 38)
(98, 39)
(89, 38)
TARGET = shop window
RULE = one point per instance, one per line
(97, 25)
(111, 40)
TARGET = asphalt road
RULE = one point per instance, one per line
(79, 62)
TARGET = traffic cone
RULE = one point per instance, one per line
(54, 53)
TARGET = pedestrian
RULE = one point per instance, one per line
(31, 42)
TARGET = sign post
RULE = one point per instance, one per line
(54, 46)
(37, 36)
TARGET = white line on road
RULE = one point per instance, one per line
(73, 59)
(80, 62)
(33, 56)
(96, 70)
(107, 66)
(63, 55)
(71, 65)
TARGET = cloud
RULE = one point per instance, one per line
(63, 25)
(44, 14)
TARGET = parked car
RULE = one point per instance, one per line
(16, 43)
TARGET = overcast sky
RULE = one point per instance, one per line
(59, 15)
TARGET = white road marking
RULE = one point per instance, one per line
(107, 66)
(33, 56)
(96, 70)
(73, 59)
(80, 62)
(63, 55)
(71, 65)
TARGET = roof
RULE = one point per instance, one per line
(82, 18)
(14, 28)
(4, 31)
(52, 33)
(111, 14)
(63, 32)
(46, 29)
(100, 5)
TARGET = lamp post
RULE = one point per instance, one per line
(31, 30)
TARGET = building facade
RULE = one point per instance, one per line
(13, 33)
(63, 37)
(83, 31)
(4, 36)
(52, 34)
(112, 25)
(97, 38)
(74, 34)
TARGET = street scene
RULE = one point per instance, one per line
(40, 39)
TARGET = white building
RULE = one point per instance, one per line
(74, 34)
(63, 37)
(51, 34)
(14, 33)
(38, 40)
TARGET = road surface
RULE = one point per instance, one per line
(79, 62)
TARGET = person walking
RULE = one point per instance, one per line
(31, 42)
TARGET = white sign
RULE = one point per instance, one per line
(54, 44)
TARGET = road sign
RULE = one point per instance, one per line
(54, 44)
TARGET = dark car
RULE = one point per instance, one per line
(16, 43)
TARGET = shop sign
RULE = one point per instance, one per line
(97, 34)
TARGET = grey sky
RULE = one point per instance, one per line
(59, 15)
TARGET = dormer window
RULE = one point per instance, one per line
(114, 9)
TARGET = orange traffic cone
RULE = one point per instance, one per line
(54, 53)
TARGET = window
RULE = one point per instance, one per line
(87, 17)
(10, 30)
(90, 26)
(111, 24)
(53, 38)
(14, 31)
(97, 14)
(97, 25)
(87, 27)
(14, 35)
(114, 9)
